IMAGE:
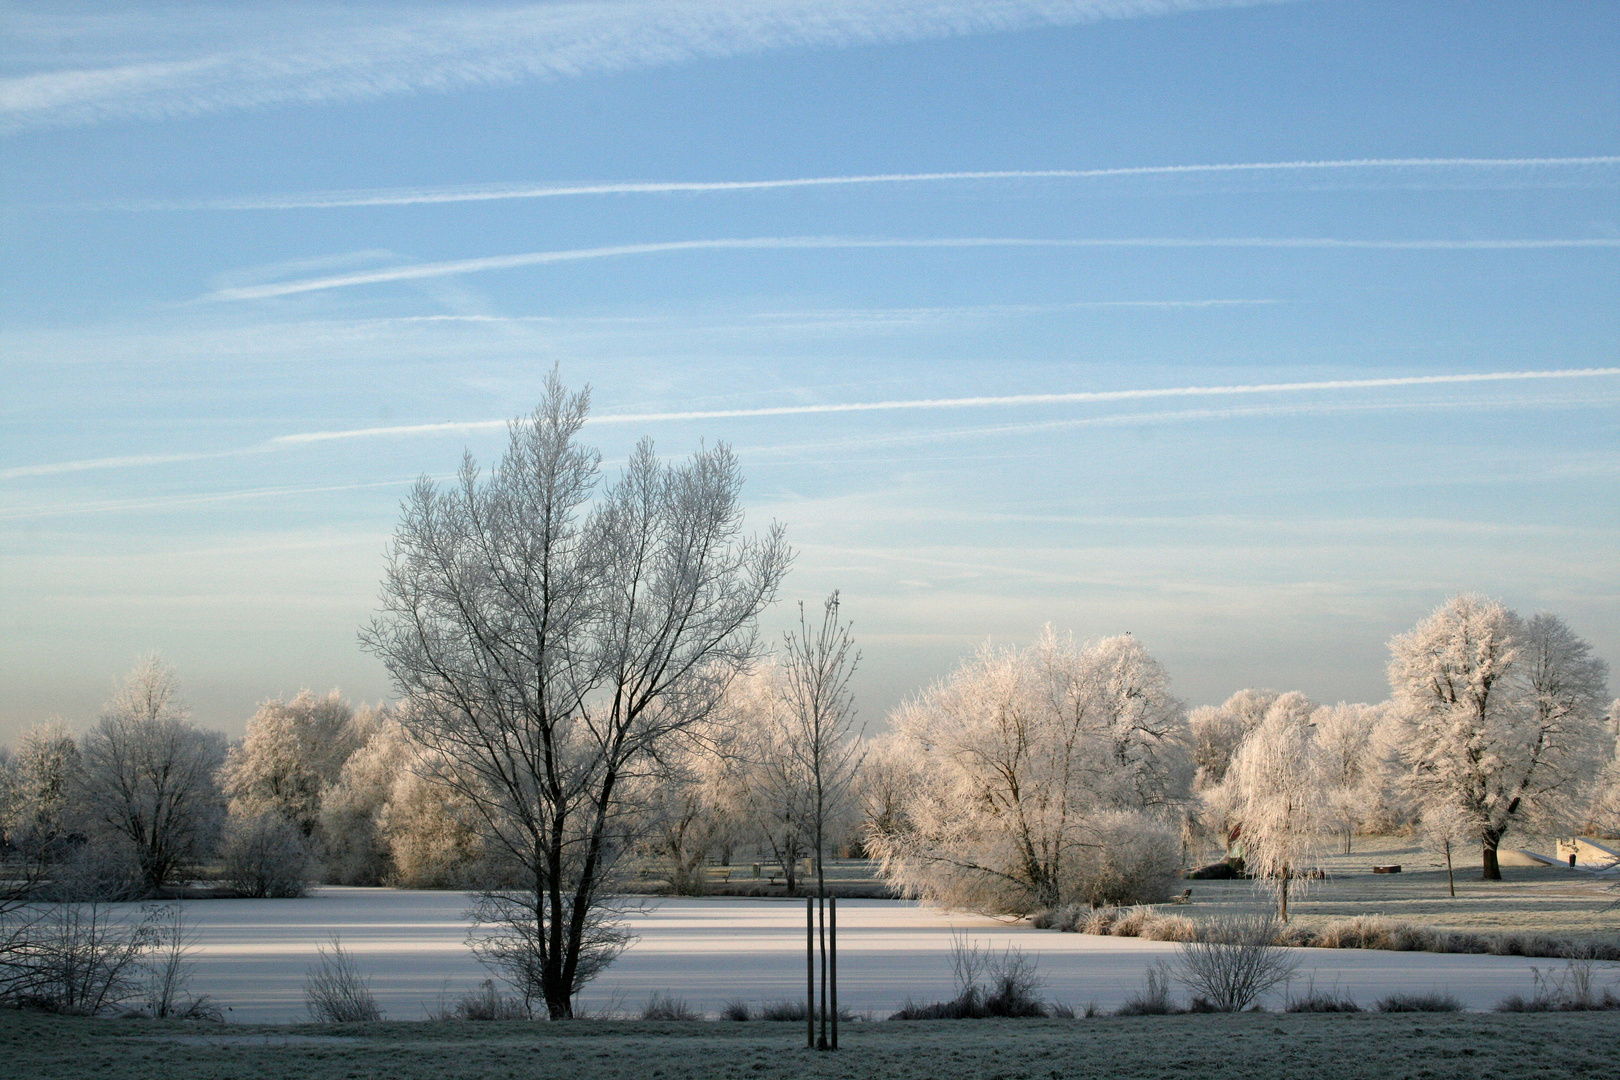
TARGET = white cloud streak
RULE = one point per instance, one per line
(421, 271)
(286, 442)
(186, 61)
(487, 193)
(996, 401)
(127, 461)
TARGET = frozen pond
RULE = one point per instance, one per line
(252, 955)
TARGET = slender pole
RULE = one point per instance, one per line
(832, 912)
(810, 973)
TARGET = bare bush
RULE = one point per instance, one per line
(334, 990)
(1235, 960)
(1566, 989)
(1153, 999)
(265, 856)
(168, 971)
(484, 1002)
(784, 1010)
(662, 1006)
(988, 984)
(1321, 1001)
(74, 958)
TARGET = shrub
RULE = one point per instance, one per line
(1100, 921)
(662, 1006)
(265, 856)
(483, 1002)
(1129, 922)
(1012, 977)
(74, 958)
(784, 1010)
(334, 990)
(1566, 990)
(168, 973)
(1169, 928)
(1153, 999)
(1134, 860)
(1434, 1001)
(1321, 1001)
(736, 1009)
(1234, 961)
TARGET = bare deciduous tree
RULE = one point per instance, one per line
(148, 776)
(549, 648)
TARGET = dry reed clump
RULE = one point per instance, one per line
(1066, 919)
(1100, 921)
(1131, 920)
(1169, 928)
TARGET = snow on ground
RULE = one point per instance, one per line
(253, 954)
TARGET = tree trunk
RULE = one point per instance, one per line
(1490, 870)
(1451, 882)
(1282, 896)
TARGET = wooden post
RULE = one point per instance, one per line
(821, 914)
(810, 973)
(832, 912)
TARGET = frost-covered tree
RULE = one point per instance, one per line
(1603, 816)
(688, 816)
(354, 847)
(41, 807)
(1346, 746)
(147, 779)
(293, 750)
(1501, 717)
(888, 770)
(1025, 762)
(1218, 730)
(1279, 795)
(765, 786)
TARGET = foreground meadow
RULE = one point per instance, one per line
(1257, 1045)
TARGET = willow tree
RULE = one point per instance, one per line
(551, 637)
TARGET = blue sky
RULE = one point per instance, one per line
(1037, 233)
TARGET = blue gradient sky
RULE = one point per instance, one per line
(228, 225)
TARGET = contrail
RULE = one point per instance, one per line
(486, 193)
(159, 63)
(539, 258)
(998, 401)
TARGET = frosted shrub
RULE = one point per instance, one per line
(1169, 928)
(1235, 961)
(1136, 860)
(265, 856)
(1129, 923)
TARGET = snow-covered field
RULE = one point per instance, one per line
(252, 955)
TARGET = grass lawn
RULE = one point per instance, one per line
(1388, 1047)
(1541, 900)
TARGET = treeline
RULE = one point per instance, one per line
(1029, 779)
